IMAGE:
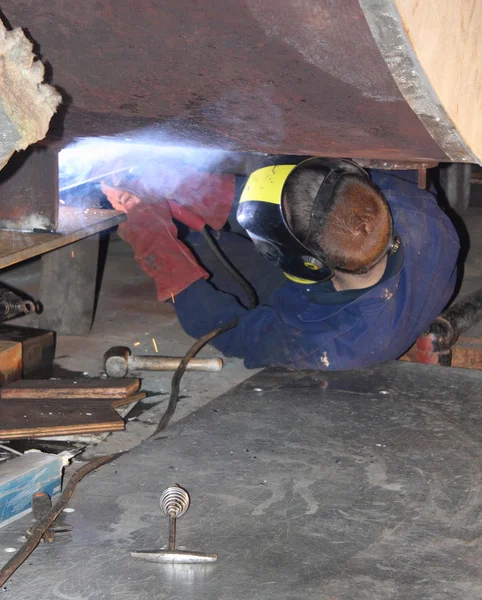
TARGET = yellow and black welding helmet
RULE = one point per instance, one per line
(262, 214)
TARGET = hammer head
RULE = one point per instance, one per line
(116, 361)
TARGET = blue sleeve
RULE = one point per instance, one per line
(260, 337)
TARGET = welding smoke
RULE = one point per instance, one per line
(161, 165)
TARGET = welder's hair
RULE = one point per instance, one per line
(355, 232)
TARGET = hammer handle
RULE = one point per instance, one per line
(167, 363)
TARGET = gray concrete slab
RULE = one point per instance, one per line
(308, 485)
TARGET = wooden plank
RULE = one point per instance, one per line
(71, 388)
(467, 353)
(115, 403)
(74, 224)
(31, 419)
(10, 361)
(95, 438)
(445, 36)
(119, 402)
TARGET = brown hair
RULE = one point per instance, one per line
(357, 229)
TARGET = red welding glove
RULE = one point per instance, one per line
(152, 234)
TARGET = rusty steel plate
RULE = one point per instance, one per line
(298, 76)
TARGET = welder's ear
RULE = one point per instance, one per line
(286, 208)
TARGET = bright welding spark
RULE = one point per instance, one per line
(155, 345)
(89, 160)
(73, 254)
(172, 297)
(137, 343)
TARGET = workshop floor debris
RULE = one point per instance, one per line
(128, 314)
(62, 407)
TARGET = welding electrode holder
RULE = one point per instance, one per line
(174, 502)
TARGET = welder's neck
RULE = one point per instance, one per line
(347, 281)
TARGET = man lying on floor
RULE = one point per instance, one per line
(358, 267)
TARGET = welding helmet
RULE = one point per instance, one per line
(262, 214)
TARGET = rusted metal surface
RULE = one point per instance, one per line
(298, 76)
(422, 178)
(29, 191)
(399, 165)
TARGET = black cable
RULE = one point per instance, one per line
(41, 526)
(176, 379)
(231, 269)
(202, 341)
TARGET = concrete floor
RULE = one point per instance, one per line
(128, 312)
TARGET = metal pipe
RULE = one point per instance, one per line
(457, 319)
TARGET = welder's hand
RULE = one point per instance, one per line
(150, 231)
(121, 199)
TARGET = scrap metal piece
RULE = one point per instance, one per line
(174, 503)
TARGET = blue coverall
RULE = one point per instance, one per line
(314, 326)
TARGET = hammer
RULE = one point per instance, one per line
(118, 361)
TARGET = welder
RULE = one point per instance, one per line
(351, 267)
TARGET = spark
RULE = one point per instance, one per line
(155, 345)
(73, 254)
(172, 297)
(137, 343)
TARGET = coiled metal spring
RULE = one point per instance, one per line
(174, 501)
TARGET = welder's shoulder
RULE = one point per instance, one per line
(403, 194)
(422, 216)
(417, 213)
